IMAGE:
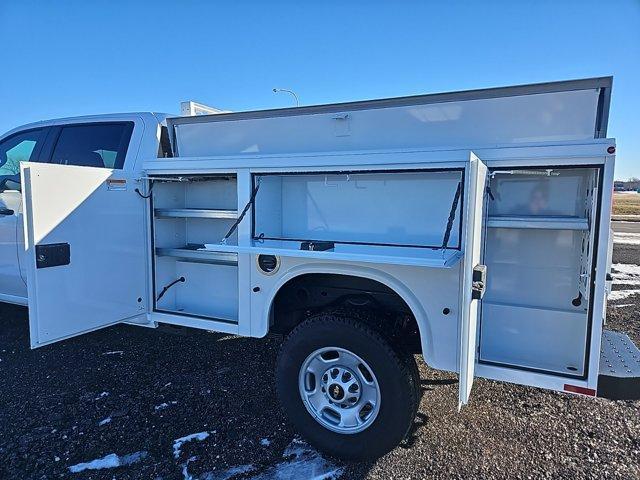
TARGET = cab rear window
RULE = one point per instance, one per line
(93, 145)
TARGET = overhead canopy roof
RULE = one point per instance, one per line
(571, 110)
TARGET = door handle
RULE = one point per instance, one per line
(6, 211)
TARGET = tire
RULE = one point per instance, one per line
(374, 429)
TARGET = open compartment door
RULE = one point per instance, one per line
(473, 279)
(86, 250)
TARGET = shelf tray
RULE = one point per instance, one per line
(194, 213)
(196, 253)
(544, 223)
(392, 255)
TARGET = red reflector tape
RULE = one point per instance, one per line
(580, 390)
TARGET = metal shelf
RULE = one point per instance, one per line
(193, 253)
(195, 213)
(414, 256)
(544, 223)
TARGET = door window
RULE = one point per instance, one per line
(93, 145)
(21, 147)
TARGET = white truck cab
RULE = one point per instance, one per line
(112, 141)
(470, 227)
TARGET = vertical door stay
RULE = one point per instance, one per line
(86, 250)
(473, 273)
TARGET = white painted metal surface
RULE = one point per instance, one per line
(534, 338)
(105, 281)
(521, 131)
(539, 252)
(427, 291)
(558, 117)
(442, 354)
(351, 207)
(539, 223)
(13, 278)
(13, 262)
(473, 235)
(383, 254)
(191, 108)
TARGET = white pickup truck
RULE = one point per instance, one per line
(469, 227)
(113, 141)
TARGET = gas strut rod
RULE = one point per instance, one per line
(251, 201)
(452, 216)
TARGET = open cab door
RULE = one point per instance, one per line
(86, 250)
(473, 278)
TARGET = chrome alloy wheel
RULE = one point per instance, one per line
(339, 390)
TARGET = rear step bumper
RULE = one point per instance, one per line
(619, 377)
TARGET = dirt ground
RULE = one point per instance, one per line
(149, 404)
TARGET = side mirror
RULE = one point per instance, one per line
(13, 185)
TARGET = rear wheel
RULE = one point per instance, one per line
(344, 386)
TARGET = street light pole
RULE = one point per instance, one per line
(276, 90)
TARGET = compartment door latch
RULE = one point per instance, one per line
(479, 284)
(342, 125)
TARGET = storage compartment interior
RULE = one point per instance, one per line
(539, 254)
(189, 212)
(409, 208)
(209, 290)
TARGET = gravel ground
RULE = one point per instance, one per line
(126, 394)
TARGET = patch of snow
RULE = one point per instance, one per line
(301, 462)
(104, 422)
(178, 442)
(623, 305)
(229, 473)
(110, 461)
(265, 442)
(622, 294)
(627, 267)
(102, 395)
(164, 405)
(185, 472)
(626, 281)
(626, 238)
(115, 352)
(185, 469)
(624, 274)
